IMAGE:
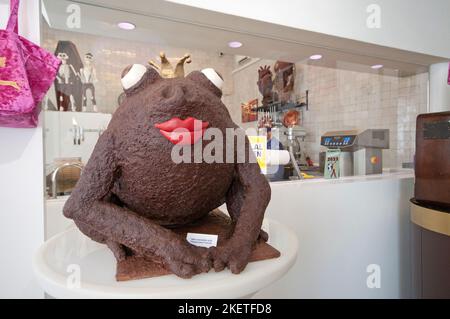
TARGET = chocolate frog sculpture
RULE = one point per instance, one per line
(131, 193)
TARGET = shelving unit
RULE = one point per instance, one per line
(281, 107)
(275, 110)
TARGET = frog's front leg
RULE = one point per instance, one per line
(247, 201)
(234, 201)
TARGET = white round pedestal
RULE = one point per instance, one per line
(70, 265)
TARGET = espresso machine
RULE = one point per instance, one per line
(361, 150)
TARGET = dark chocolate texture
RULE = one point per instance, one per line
(215, 223)
(131, 194)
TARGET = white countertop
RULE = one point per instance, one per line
(390, 173)
(346, 228)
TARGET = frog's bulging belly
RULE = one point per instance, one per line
(177, 196)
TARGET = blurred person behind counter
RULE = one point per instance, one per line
(274, 173)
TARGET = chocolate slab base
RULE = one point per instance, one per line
(215, 223)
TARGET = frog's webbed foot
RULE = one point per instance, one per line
(117, 249)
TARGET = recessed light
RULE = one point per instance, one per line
(126, 26)
(377, 66)
(234, 44)
(315, 57)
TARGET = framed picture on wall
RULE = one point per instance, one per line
(248, 111)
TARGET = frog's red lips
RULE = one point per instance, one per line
(183, 132)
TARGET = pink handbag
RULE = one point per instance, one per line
(448, 79)
(26, 73)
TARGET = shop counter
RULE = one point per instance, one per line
(354, 236)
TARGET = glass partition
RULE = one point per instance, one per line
(300, 92)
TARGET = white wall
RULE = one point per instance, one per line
(21, 187)
(419, 26)
(439, 88)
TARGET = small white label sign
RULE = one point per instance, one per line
(202, 240)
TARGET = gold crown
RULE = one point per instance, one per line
(166, 70)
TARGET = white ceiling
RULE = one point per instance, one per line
(166, 23)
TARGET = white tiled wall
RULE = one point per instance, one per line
(341, 99)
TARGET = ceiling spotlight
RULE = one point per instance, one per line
(315, 57)
(126, 26)
(377, 66)
(234, 44)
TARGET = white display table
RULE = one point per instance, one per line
(71, 255)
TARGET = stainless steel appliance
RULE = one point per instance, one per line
(295, 136)
(361, 151)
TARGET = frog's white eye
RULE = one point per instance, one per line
(132, 75)
(214, 77)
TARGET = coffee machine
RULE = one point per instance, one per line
(361, 150)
